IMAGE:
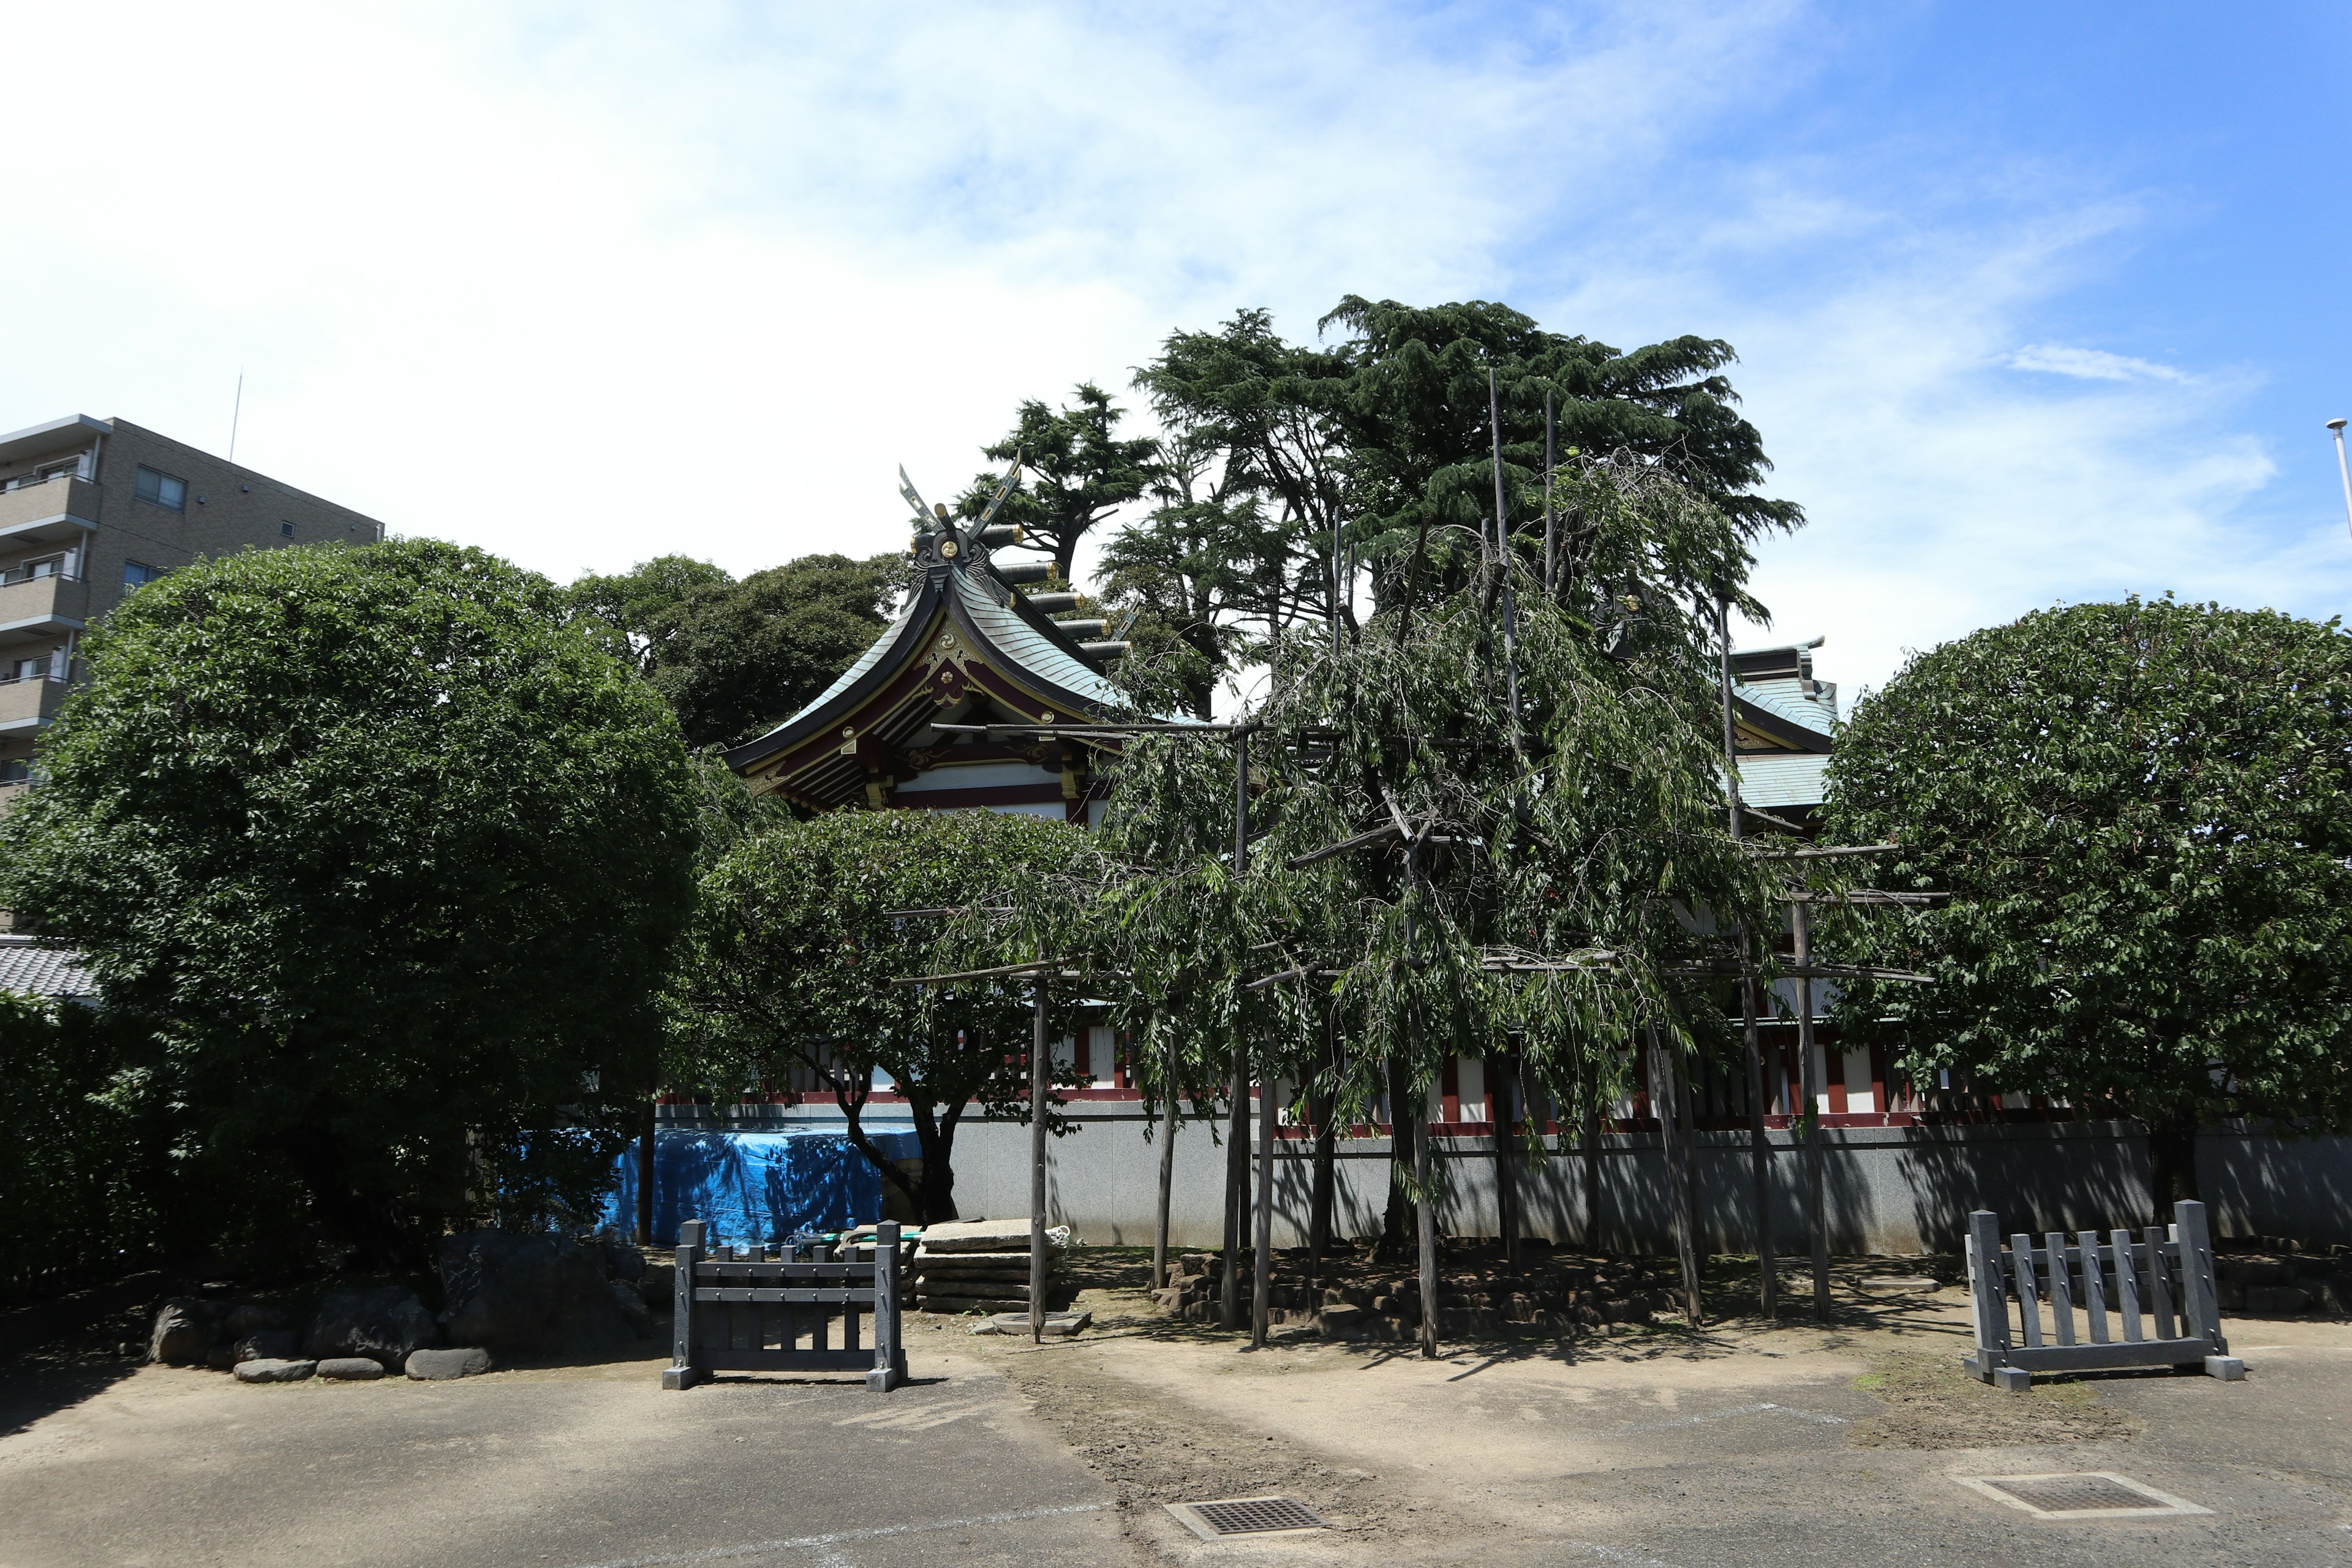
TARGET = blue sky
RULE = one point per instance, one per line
(2033, 303)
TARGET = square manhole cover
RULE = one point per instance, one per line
(2082, 1494)
(1229, 1517)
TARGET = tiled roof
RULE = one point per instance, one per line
(31, 969)
(1023, 644)
(1784, 698)
(1771, 781)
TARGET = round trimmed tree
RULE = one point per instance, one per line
(2146, 811)
(390, 857)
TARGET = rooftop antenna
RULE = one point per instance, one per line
(236, 409)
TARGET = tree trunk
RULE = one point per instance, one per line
(2172, 1159)
(1396, 1224)
(1668, 1089)
(1168, 1115)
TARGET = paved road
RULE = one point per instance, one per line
(557, 1469)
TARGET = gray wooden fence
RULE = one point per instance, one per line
(2159, 1285)
(741, 1309)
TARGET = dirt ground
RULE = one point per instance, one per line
(1632, 1443)
(1511, 1441)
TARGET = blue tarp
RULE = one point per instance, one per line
(757, 1186)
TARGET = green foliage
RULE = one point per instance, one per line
(796, 952)
(79, 1169)
(1557, 852)
(1079, 471)
(734, 659)
(2144, 810)
(389, 857)
(1379, 445)
(1417, 428)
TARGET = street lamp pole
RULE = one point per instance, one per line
(2343, 472)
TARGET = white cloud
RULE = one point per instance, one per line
(588, 285)
(2090, 364)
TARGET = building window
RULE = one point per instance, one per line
(163, 490)
(30, 668)
(287, 529)
(136, 572)
(15, 770)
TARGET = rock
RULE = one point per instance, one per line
(1057, 1325)
(658, 1289)
(275, 1371)
(2283, 1300)
(352, 1368)
(268, 1344)
(383, 1324)
(989, 1235)
(622, 1260)
(530, 1294)
(2254, 1271)
(250, 1318)
(185, 1329)
(222, 1356)
(1341, 1323)
(439, 1366)
(634, 1311)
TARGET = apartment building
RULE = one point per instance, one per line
(89, 510)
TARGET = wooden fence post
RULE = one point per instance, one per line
(680, 1374)
(889, 1361)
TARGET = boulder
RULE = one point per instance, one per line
(658, 1289)
(249, 1319)
(634, 1311)
(1341, 1323)
(352, 1368)
(383, 1324)
(185, 1330)
(275, 1371)
(622, 1260)
(439, 1366)
(222, 1356)
(529, 1294)
(2282, 1300)
(267, 1344)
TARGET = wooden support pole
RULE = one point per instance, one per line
(1262, 1280)
(1759, 1158)
(1667, 1088)
(1591, 1117)
(1815, 1220)
(1502, 1082)
(1167, 1169)
(1040, 1052)
(646, 1176)
(1425, 1227)
(1229, 1285)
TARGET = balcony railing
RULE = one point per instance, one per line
(27, 574)
(27, 481)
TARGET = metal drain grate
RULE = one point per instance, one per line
(2088, 1494)
(1229, 1517)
